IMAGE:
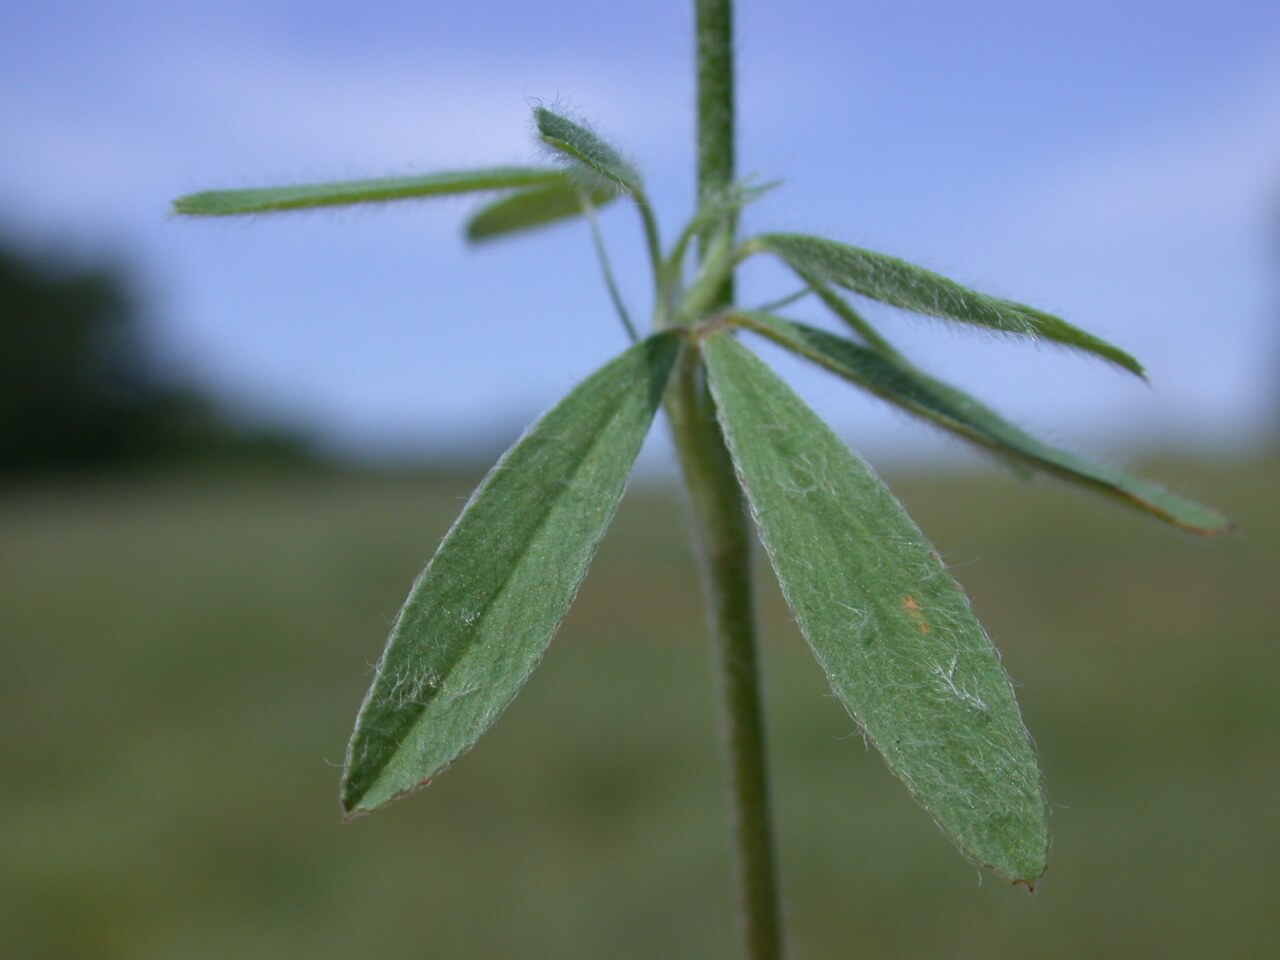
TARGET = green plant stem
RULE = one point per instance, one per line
(857, 323)
(724, 544)
(773, 306)
(651, 241)
(723, 531)
(715, 117)
(610, 282)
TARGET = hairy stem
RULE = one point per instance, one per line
(723, 531)
(715, 116)
(724, 546)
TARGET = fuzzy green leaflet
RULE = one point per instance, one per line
(221, 203)
(584, 146)
(536, 207)
(902, 284)
(954, 410)
(892, 630)
(483, 611)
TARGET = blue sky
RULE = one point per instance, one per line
(1118, 163)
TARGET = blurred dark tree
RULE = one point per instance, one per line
(79, 389)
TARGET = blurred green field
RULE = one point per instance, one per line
(181, 661)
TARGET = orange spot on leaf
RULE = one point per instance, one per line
(912, 606)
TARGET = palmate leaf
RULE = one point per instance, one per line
(222, 203)
(583, 146)
(481, 614)
(536, 207)
(890, 627)
(906, 285)
(957, 411)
